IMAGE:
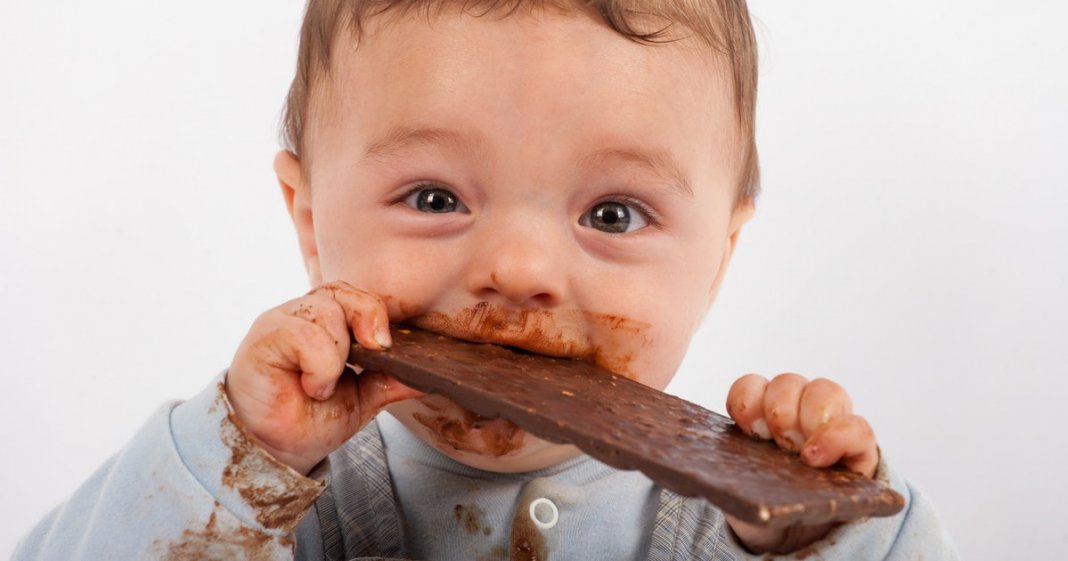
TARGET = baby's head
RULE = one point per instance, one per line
(565, 177)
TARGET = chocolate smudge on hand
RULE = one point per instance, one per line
(276, 505)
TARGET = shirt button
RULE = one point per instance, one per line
(544, 513)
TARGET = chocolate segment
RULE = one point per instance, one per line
(679, 445)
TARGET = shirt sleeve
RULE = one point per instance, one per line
(913, 533)
(189, 485)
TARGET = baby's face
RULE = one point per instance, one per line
(542, 183)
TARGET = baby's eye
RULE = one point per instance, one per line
(434, 199)
(614, 217)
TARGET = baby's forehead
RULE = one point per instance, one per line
(715, 36)
(574, 32)
(566, 83)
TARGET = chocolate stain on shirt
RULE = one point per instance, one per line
(495, 554)
(223, 537)
(472, 519)
(528, 544)
(218, 541)
(276, 506)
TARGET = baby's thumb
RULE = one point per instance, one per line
(377, 390)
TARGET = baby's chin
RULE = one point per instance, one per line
(496, 445)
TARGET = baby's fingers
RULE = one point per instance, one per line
(821, 401)
(376, 390)
(365, 313)
(848, 440)
(327, 314)
(782, 404)
(290, 344)
(745, 404)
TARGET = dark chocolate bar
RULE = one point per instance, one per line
(679, 445)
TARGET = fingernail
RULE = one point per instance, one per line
(383, 338)
(327, 391)
(760, 428)
(794, 438)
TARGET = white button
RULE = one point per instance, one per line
(544, 513)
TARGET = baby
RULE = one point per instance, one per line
(565, 177)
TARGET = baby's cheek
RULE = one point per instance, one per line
(657, 362)
(621, 344)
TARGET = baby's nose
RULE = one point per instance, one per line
(524, 266)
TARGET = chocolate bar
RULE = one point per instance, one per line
(678, 444)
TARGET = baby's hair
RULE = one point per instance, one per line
(723, 25)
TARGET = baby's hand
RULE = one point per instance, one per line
(288, 383)
(814, 418)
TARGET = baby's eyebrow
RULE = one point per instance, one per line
(402, 138)
(657, 160)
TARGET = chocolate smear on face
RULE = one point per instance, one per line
(459, 429)
(558, 333)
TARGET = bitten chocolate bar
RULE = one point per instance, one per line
(679, 445)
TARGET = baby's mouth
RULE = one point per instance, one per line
(531, 331)
(556, 333)
(534, 331)
(561, 333)
(519, 350)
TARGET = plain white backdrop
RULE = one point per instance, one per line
(910, 242)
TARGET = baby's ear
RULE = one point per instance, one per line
(296, 192)
(741, 214)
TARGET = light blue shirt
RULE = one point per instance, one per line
(192, 485)
(452, 511)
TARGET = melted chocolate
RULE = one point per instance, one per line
(541, 331)
(679, 445)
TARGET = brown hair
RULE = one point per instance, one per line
(721, 24)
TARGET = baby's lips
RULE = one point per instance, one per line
(537, 343)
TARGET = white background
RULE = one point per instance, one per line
(910, 241)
